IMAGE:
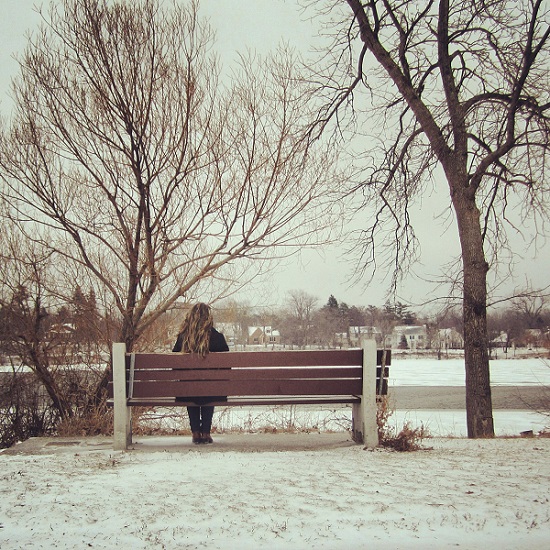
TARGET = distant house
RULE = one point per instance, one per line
(263, 335)
(414, 336)
(65, 330)
(448, 338)
(358, 333)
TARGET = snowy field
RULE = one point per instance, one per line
(172, 495)
(426, 371)
(452, 423)
(439, 423)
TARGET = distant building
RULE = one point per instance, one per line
(414, 336)
(535, 338)
(263, 335)
(231, 332)
(448, 338)
(358, 333)
(63, 329)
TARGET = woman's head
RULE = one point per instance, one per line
(196, 328)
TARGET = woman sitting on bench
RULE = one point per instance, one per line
(198, 335)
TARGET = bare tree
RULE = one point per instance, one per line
(461, 86)
(128, 157)
(301, 309)
(27, 331)
(50, 328)
(533, 308)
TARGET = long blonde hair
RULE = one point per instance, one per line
(195, 330)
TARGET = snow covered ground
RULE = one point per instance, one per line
(439, 423)
(291, 490)
(250, 494)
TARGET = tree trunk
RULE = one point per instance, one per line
(44, 375)
(479, 409)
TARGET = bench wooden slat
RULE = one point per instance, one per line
(248, 373)
(239, 376)
(247, 387)
(252, 374)
(244, 401)
(318, 358)
(246, 359)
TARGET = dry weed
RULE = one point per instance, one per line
(407, 439)
(96, 421)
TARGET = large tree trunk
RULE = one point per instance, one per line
(479, 409)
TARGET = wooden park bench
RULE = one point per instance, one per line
(247, 378)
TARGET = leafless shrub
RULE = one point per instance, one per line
(150, 421)
(408, 439)
(24, 412)
(383, 413)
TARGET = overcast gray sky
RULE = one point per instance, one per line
(261, 25)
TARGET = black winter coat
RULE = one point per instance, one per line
(217, 343)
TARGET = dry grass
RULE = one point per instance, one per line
(407, 439)
(97, 421)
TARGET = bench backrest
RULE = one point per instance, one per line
(292, 373)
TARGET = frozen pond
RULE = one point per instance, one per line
(425, 371)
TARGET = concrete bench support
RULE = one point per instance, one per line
(122, 413)
(364, 424)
